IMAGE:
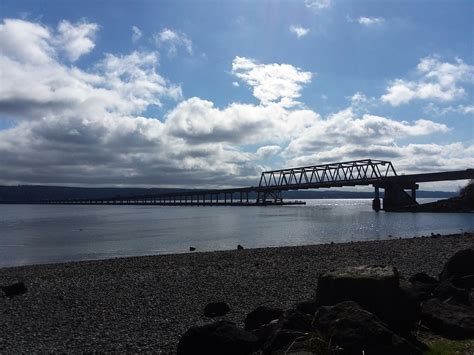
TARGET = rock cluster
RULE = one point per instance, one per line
(363, 309)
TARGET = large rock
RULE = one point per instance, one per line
(218, 338)
(453, 321)
(422, 286)
(292, 325)
(260, 316)
(358, 331)
(447, 292)
(459, 268)
(375, 288)
(216, 309)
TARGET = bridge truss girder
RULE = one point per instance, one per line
(354, 172)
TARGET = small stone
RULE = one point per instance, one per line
(192, 248)
(240, 247)
(215, 309)
(15, 289)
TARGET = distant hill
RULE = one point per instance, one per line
(37, 193)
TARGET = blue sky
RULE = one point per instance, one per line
(210, 93)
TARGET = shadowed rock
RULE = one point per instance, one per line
(260, 316)
(15, 289)
(375, 288)
(215, 309)
(453, 321)
(218, 338)
(459, 268)
(357, 331)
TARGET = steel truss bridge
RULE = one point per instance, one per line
(378, 173)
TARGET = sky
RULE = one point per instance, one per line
(205, 94)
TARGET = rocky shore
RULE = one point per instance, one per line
(147, 303)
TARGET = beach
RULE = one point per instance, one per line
(146, 303)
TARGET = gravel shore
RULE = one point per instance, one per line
(146, 303)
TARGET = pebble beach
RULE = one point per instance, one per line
(139, 304)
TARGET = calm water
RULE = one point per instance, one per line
(32, 234)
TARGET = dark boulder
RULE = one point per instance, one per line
(422, 286)
(240, 247)
(307, 307)
(452, 321)
(260, 316)
(447, 292)
(291, 325)
(18, 288)
(423, 278)
(215, 309)
(375, 288)
(218, 338)
(459, 266)
(192, 248)
(357, 331)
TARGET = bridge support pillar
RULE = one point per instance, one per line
(376, 200)
(395, 197)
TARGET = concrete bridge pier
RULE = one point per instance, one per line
(376, 200)
(395, 196)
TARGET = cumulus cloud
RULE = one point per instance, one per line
(76, 39)
(271, 82)
(77, 126)
(370, 21)
(299, 31)
(435, 80)
(172, 40)
(441, 111)
(346, 128)
(29, 42)
(136, 33)
(267, 151)
(317, 5)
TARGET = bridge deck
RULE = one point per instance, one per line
(379, 173)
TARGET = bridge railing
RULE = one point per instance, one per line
(344, 172)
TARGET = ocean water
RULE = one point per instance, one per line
(37, 234)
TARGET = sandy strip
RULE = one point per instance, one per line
(146, 303)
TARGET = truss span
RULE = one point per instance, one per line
(359, 172)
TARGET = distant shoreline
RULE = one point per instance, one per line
(145, 303)
(36, 193)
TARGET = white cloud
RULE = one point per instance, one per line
(236, 84)
(299, 31)
(76, 126)
(370, 21)
(173, 39)
(271, 82)
(29, 42)
(317, 5)
(76, 39)
(136, 33)
(346, 128)
(267, 151)
(441, 111)
(25, 41)
(434, 80)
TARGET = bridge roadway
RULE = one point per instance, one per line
(380, 174)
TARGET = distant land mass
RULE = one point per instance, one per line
(38, 193)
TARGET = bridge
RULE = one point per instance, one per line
(378, 173)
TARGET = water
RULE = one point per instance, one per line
(33, 234)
